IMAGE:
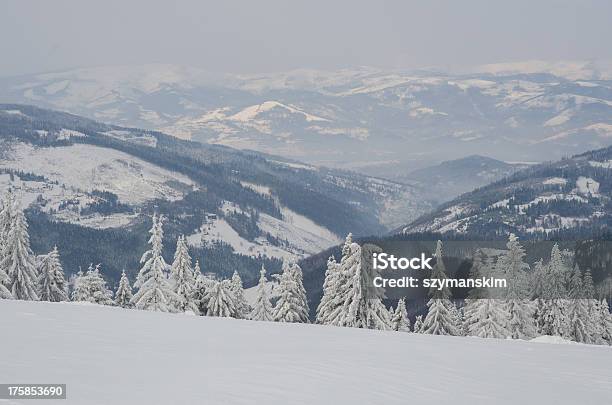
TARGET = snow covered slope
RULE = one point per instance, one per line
(115, 356)
(87, 167)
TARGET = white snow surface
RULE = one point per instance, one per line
(109, 355)
(587, 186)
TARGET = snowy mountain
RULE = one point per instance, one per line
(229, 361)
(88, 181)
(569, 197)
(452, 178)
(383, 123)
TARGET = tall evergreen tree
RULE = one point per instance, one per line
(5, 225)
(484, 316)
(440, 319)
(18, 259)
(51, 282)
(330, 302)
(554, 312)
(606, 322)
(578, 311)
(123, 295)
(291, 305)
(262, 310)
(183, 276)
(154, 290)
(361, 305)
(491, 320)
(399, 320)
(520, 310)
(202, 284)
(220, 299)
(242, 306)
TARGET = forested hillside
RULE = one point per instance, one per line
(566, 198)
(91, 188)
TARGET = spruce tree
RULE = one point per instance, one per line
(440, 319)
(201, 286)
(291, 305)
(606, 322)
(183, 276)
(554, 311)
(98, 291)
(18, 260)
(418, 324)
(5, 225)
(330, 302)
(154, 290)
(220, 300)
(242, 306)
(361, 306)
(51, 282)
(399, 320)
(123, 295)
(491, 320)
(262, 310)
(478, 269)
(519, 308)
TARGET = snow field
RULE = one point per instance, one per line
(109, 355)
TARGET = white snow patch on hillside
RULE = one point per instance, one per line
(219, 230)
(251, 113)
(602, 129)
(606, 165)
(500, 204)
(258, 188)
(304, 237)
(587, 186)
(294, 165)
(301, 232)
(56, 87)
(555, 181)
(147, 140)
(424, 111)
(86, 167)
(13, 112)
(559, 119)
(118, 356)
(69, 133)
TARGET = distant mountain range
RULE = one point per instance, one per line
(91, 188)
(571, 197)
(383, 123)
(452, 178)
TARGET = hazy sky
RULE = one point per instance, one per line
(271, 35)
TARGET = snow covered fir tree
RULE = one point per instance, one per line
(17, 258)
(441, 318)
(51, 283)
(262, 308)
(123, 295)
(154, 290)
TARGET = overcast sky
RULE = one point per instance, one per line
(271, 35)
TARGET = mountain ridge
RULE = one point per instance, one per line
(364, 117)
